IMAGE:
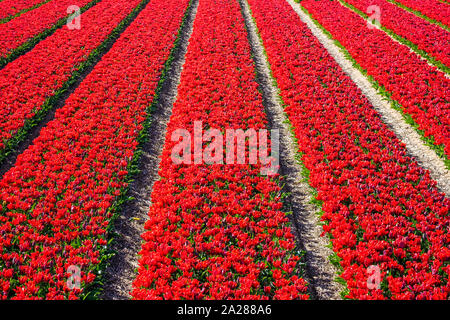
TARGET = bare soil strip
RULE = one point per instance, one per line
(416, 148)
(129, 225)
(321, 274)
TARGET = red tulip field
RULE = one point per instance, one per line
(225, 150)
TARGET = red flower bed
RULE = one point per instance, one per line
(55, 202)
(427, 36)
(379, 206)
(217, 231)
(433, 9)
(16, 32)
(421, 90)
(27, 82)
(12, 7)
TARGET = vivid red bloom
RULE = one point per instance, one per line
(217, 231)
(56, 202)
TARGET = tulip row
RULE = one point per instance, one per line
(31, 84)
(10, 8)
(418, 89)
(381, 210)
(421, 34)
(57, 202)
(21, 33)
(217, 231)
(433, 9)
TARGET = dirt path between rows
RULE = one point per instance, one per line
(129, 225)
(320, 273)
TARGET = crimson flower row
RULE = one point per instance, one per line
(56, 202)
(29, 81)
(427, 36)
(420, 88)
(433, 9)
(217, 231)
(379, 207)
(12, 7)
(18, 31)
